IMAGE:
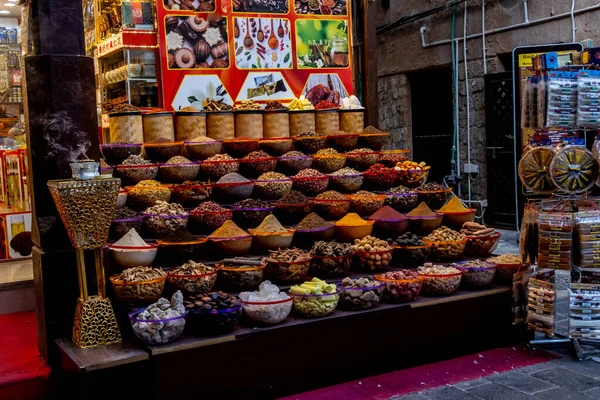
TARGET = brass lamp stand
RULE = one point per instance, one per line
(87, 207)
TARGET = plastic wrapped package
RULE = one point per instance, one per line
(588, 85)
(584, 310)
(555, 240)
(526, 105)
(541, 102)
(574, 169)
(534, 168)
(562, 90)
(541, 300)
(588, 238)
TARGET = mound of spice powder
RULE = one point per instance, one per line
(351, 219)
(228, 230)
(422, 210)
(313, 221)
(387, 213)
(271, 225)
(454, 205)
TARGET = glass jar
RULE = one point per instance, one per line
(339, 52)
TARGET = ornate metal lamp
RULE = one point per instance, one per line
(86, 205)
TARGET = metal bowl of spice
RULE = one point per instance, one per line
(331, 259)
(192, 278)
(366, 203)
(272, 186)
(310, 182)
(240, 147)
(310, 142)
(312, 229)
(139, 285)
(179, 169)
(362, 158)
(238, 274)
(218, 166)
(134, 170)
(276, 146)
(232, 187)
(271, 235)
(329, 160)
(343, 141)
(201, 150)
(230, 239)
(207, 217)
(161, 152)
(287, 265)
(294, 161)
(331, 204)
(257, 163)
(146, 193)
(179, 247)
(346, 180)
(251, 212)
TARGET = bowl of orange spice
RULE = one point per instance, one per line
(456, 214)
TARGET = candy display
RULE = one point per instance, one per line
(574, 169)
(400, 286)
(315, 298)
(534, 169)
(371, 254)
(267, 306)
(359, 294)
(161, 322)
(192, 278)
(439, 280)
(213, 313)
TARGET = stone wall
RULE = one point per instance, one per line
(400, 51)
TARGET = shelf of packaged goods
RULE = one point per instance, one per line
(135, 40)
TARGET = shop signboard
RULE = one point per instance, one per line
(259, 50)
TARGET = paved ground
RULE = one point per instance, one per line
(562, 379)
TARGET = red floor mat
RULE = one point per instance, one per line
(20, 360)
(429, 376)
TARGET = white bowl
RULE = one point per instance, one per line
(121, 199)
(129, 257)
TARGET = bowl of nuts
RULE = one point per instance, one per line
(371, 254)
(192, 278)
(276, 146)
(202, 150)
(139, 285)
(476, 274)
(439, 280)
(401, 286)
(162, 152)
(446, 244)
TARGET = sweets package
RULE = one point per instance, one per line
(588, 104)
(555, 240)
(541, 303)
(588, 239)
(541, 102)
(584, 310)
(573, 168)
(562, 99)
(534, 167)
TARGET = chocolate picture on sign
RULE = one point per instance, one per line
(197, 42)
(260, 6)
(190, 5)
(262, 43)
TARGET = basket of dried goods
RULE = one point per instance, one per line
(139, 285)
(192, 278)
(331, 259)
(287, 265)
(400, 286)
(135, 169)
(163, 218)
(439, 280)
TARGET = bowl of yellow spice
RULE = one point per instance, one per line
(230, 239)
(456, 214)
(271, 235)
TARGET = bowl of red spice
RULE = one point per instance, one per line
(380, 177)
(388, 223)
(422, 220)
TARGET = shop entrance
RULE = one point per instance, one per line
(431, 100)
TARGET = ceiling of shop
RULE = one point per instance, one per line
(10, 9)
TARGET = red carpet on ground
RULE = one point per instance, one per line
(23, 374)
(429, 376)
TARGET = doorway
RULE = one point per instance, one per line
(432, 119)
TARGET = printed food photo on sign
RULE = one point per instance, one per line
(324, 87)
(260, 6)
(19, 232)
(190, 5)
(322, 43)
(321, 7)
(202, 92)
(197, 42)
(262, 43)
(265, 86)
